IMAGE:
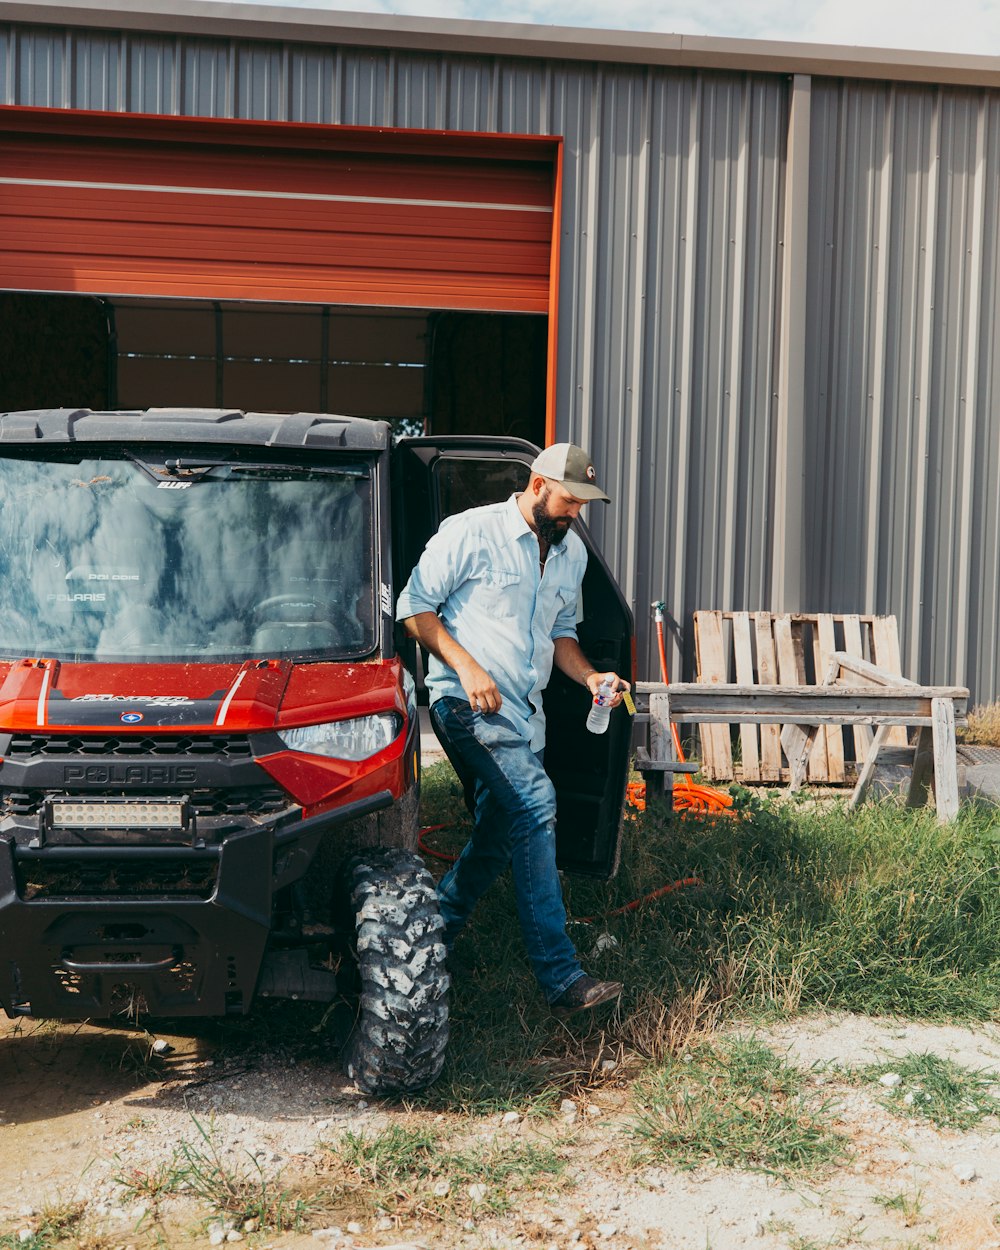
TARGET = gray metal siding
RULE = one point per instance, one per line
(670, 302)
(902, 439)
(672, 181)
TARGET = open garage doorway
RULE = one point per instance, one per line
(426, 371)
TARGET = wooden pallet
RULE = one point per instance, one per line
(788, 649)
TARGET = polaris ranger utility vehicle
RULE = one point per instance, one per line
(209, 747)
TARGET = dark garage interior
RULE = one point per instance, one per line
(439, 372)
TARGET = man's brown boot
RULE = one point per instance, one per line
(585, 993)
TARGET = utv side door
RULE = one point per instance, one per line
(436, 477)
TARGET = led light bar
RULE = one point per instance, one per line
(125, 814)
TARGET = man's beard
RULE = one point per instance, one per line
(552, 529)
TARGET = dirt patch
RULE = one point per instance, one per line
(83, 1108)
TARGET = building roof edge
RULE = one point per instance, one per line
(293, 24)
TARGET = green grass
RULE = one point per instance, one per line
(908, 1206)
(239, 1190)
(404, 1171)
(54, 1225)
(946, 1093)
(882, 911)
(736, 1104)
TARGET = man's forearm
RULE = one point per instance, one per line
(428, 630)
(570, 659)
(477, 683)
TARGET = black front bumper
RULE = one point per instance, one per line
(163, 953)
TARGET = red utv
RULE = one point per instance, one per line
(208, 735)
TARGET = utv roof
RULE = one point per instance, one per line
(194, 425)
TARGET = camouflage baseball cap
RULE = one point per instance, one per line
(572, 468)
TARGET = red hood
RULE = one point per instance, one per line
(253, 696)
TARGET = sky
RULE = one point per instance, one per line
(920, 25)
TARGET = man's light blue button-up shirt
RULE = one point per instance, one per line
(480, 574)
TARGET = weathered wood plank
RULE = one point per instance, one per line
(660, 781)
(901, 692)
(749, 734)
(885, 653)
(854, 646)
(945, 759)
(923, 768)
(797, 743)
(826, 647)
(767, 672)
(717, 754)
(868, 767)
(870, 674)
(788, 671)
(791, 672)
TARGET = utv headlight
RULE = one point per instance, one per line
(355, 739)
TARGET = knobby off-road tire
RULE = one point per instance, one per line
(398, 1043)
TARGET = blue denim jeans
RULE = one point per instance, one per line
(515, 824)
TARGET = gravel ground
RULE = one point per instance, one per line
(83, 1107)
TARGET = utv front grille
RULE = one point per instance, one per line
(225, 746)
(255, 802)
(116, 877)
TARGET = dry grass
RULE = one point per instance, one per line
(983, 728)
(659, 1028)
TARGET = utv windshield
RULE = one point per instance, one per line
(111, 554)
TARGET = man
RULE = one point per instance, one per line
(494, 600)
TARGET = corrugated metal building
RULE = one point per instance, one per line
(778, 303)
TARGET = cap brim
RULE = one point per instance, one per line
(584, 492)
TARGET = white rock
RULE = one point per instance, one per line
(216, 1237)
(441, 1189)
(608, 1065)
(251, 1225)
(567, 1107)
(908, 1100)
(354, 1228)
(891, 1080)
(24, 1234)
(383, 1225)
(477, 1192)
(160, 1047)
(592, 1110)
(512, 1117)
(605, 942)
(965, 1172)
(469, 1226)
(607, 1230)
(234, 1235)
(322, 1125)
(332, 1233)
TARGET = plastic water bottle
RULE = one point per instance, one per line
(600, 713)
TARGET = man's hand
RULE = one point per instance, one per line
(482, 690)
(593, 681)
(479, 686)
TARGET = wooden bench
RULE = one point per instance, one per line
(853, 692)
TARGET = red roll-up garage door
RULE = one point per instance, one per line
(114, 204)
